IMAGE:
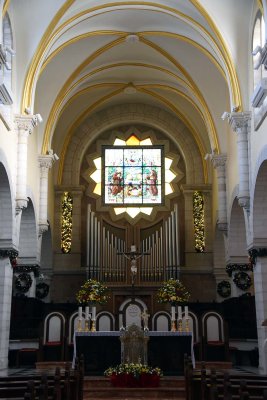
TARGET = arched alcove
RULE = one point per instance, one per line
(5, 209)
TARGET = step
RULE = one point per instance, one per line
(171, 388)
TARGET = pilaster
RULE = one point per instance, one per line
(219, 163)
(240, 123)
(24, 125)
(45, 163)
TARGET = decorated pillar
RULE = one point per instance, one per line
(198, 231)
(45, 163)
(6, 276)
(24, 125)
(259, 260)
(240, 124)
(68, 222)
(219, 163)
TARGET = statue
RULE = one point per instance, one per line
(145, 317)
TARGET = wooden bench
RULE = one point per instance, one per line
(205, 384)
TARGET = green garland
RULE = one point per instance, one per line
(224, 289)
(42, 290)
(23, 282)
(242, 280)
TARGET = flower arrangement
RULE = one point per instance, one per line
(172, 291)
(92, 292)
(134, 375)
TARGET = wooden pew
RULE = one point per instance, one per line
(44, 386)
(203, 384)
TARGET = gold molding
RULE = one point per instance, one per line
(36, 60)
(84, 114)
(65, 89)
(5, 7)
(234, 85)
(260, 5)
(237, 99)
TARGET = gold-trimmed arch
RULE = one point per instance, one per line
(90, 109)
(65, 89)
(29, 82)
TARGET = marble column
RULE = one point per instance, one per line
(219, 163)
(45, 163)
(260, 284)
(239, 122)
(6, 277)
(24, 126)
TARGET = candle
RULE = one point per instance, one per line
(173, 313)
(86, 313)
(179, 312)
(93, 313)
(80, 312)
(133, 249)
(186, 312)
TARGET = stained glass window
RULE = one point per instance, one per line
(133, 175)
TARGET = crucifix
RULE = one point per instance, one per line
(133, 256)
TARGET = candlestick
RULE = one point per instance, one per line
(93, 313)
(93, 328)
(173, 328)
(180, 325)
(179, 312)
(173, 313)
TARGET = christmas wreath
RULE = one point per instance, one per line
(242, 280)
(42, 290)
(23, 282)
(224, 288)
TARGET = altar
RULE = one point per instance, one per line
(165, 350)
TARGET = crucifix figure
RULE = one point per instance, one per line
(145, 316)
(133, 256)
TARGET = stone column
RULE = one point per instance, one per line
(240, 124)
(260, 283)
(45, 163)
(219, 163)
(24, 125)
(6, 276)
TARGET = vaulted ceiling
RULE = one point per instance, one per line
(81, 57)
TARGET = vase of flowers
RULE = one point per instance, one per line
(173, 292)
(134, 375)
(92, 292)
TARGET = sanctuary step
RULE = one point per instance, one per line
(171, 388)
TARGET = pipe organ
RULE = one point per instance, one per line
(107, 245)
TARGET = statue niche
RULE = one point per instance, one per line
(134, 345)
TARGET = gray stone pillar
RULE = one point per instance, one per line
(45, 163)
(219, 163)
(24, 126)
(6, 277)
(240, 123)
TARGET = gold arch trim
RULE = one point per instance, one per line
(5, 7)
(169, 105)
(236, 94)
(67, 87)
(229, 63)
(29, 81)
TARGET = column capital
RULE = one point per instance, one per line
(239, 120)
(218, 160)
(46, 161)
(25, 123)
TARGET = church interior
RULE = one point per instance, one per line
(133, 153)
